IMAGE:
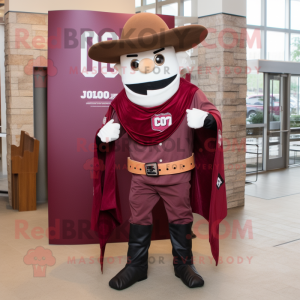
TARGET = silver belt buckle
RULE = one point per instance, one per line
(151, 169)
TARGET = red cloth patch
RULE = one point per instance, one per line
(161, 122)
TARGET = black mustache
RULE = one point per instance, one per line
(141, 88)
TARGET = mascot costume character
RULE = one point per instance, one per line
(158, 108)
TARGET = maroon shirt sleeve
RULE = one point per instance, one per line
(116, 120)
(200, 102)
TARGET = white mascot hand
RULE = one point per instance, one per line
(109, 132)
(196, 117)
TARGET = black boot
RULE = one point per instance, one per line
(137, 258)
(181, 238)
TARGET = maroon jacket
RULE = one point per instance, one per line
(208, 192)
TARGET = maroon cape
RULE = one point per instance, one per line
(208, 192)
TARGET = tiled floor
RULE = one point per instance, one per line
(252, 267)
(275, 184)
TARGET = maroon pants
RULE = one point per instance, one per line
(176, 198)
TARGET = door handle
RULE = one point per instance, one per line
(288, 130)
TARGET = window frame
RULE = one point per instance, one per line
(158, 6)
(264, 29)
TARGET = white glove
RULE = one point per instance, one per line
(109, 132)
(196, 117)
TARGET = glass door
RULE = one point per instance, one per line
(255, 124)
(294, 151)
(276, 108)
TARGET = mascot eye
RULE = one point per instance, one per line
(159, 59)
(134, 64)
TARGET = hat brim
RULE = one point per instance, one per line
(181, 38)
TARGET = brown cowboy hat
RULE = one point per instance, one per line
(146, 31)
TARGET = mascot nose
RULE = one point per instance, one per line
(146, 65)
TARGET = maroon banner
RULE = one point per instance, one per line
(79, 93)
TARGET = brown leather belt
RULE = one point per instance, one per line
(155, 169)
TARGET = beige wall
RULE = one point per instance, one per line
(18, 84)
(212, 7)
(43, 6)
(31, 15)
(223, 78)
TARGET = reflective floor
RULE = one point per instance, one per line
(275, 184)
(261, 262)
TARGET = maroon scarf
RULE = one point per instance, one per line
(136, 119)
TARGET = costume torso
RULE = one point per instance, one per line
(178, 146)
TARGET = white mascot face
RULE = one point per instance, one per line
(152, 77)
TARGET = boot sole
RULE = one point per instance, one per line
(144, 278)
(118, 289)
